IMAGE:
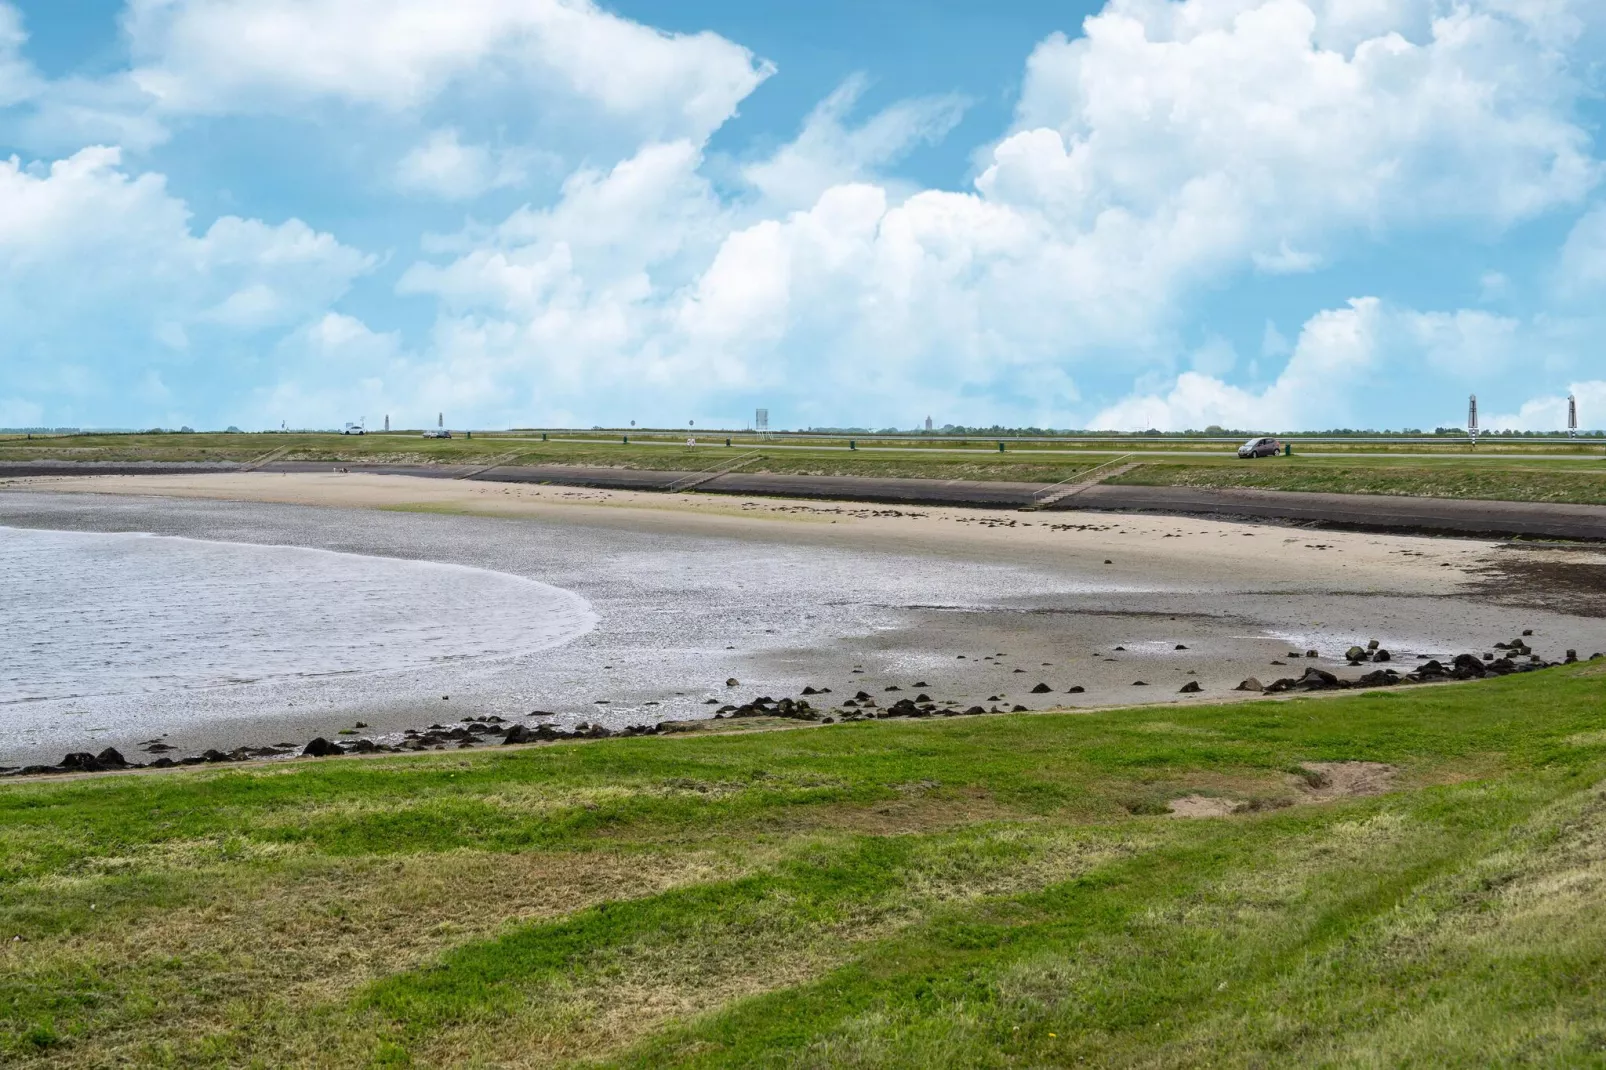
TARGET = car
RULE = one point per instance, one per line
(437, 434)
(1260, 447)
(355, 429)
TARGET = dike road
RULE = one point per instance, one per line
(1362, 512)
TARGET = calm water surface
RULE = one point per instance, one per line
(94, 616)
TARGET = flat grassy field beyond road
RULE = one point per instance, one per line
(1496, 479)
(987, 891)
(1512, 470)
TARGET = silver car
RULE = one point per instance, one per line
(1260, 447)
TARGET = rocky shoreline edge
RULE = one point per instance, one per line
(476, 732)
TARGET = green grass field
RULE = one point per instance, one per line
(1499, 479)
(988, 891)
(1517, 469)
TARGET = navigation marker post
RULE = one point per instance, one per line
(1572, 416)
(1472, 419)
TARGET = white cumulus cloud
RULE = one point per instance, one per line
(215, 56)
(96, 260)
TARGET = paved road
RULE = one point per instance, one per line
(1358, 511)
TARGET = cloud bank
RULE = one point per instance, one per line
(1167, 160)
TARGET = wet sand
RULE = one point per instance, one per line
(975, 606)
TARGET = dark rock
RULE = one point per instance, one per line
(862, 695)
(1381, 655)
(1355, 654)
(1041, 689)
(322, 748)
(1190, 688)
(1020, 709)
(892, 687)
(212, 755)
(1527, 631)
(364, 746)
(975, 710)
(1572, 656)
(1077, 690)
(1180, 646)
(733, 682)
(1315, 678)
(810, 691)
(1250, 684)
(1139, 683)
(1379, 678)
(1311, 654)
(80, 762)
(922, 697)
(1466, 663)
(111, 759)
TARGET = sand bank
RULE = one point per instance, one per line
(977, 606)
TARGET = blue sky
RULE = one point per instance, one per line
(1268, 214)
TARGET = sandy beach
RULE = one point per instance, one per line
(970, 606)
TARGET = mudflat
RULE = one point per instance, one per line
(974, 607)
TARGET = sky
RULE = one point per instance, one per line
(1265, 215)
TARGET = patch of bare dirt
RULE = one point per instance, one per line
(1570, 579)
(1204, 806)
(1343, 780)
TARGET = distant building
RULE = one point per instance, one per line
(928, 423)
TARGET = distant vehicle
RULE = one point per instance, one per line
(355, 429)
(1260, 447)
(437, 434)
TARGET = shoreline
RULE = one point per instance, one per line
(1326, 511)
(977, 605)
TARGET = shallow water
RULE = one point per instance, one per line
(391, 634)
(105, 619)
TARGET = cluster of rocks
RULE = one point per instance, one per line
(861, 707)
(1518, 657)
(111, 760)
(1515, 656)
(474, 732)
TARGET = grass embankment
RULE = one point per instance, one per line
(1500, 470)
(997, 891)
(1502, 479)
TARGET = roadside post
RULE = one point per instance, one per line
(1288, 449)
(1000, 447)
(624, 440)
(852, 445)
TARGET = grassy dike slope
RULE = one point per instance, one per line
(987, 891)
